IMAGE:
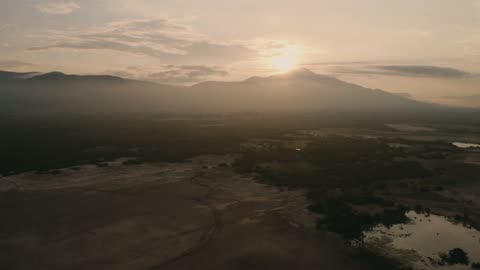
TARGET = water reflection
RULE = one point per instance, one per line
(428, 235)
(466, 145)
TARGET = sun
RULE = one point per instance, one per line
(284, 63)
(286, 59)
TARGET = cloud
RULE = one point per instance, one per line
(57, 7)
(337, 63)
(188, 74)
(425, 71)
(404, 71)
(121, 73)
(161, 38)
(173, 74)
(12, 64)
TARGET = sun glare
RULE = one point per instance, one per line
(286, 59)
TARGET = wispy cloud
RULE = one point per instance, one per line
(173, 74)
(188, 74)
(428, 71)
(57, 7)
(337, 63)
(405, 71)
(160, 38)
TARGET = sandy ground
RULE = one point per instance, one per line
(192, 215)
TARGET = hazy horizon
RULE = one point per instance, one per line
(428, 49)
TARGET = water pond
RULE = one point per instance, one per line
(425, 238)
(466, 145)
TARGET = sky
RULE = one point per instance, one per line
(426, 49)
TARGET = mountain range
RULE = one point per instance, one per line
(296, 91)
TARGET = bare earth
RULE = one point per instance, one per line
(193, 215)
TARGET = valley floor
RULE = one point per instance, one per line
(193, 215)
(215, 193)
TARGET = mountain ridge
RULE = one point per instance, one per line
(297, 91)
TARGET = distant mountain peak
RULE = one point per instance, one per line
(57, 76)
(296, 74)
(7, 75)
(301, 72)
(304, 74)
(54, 73)
(300, 90)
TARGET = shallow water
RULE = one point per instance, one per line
(428, 235)
(465, 145)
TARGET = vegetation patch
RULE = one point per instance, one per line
(454, 256)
